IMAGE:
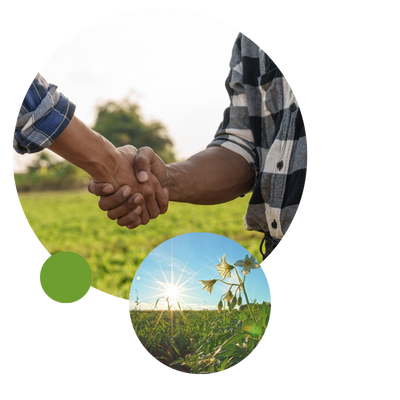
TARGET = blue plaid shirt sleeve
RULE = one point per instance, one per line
(43, 116)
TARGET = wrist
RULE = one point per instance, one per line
(212, 176)
(167, 184)
(87, 150)
(103, 165)
(178, 183)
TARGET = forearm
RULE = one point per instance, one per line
(87, 150)
(215, 175)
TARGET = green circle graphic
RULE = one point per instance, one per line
(66, 277)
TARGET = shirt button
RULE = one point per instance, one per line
(274, 225)
(279, 165)
(293, 107)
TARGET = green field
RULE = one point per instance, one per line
(201, 341)
(72, 221)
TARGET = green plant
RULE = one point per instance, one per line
(225, 269)
(233, 341)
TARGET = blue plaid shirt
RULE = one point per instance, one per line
(263, 124)
(44, 115)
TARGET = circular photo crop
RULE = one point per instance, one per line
(200, 303)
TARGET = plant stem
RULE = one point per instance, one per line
(170, 317)
(151, 334)
(245, 295)
(226, 283)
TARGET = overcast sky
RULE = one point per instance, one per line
(177, 76)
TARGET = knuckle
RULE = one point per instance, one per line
(129, 203)
(148, 191)
(143, 153)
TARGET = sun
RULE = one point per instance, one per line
(172, 292)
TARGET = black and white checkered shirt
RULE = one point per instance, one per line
(264, 125)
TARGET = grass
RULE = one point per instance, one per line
(201, 341)
(72, 221)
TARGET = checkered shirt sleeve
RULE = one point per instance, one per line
(264, 125)
(43, 116)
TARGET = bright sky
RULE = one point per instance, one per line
(175, 267)
(177, 76)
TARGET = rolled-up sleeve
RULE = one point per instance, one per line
(234, 132)
(44, 115)
(265, 126)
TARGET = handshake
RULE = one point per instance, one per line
(144, 194)
(136, 186)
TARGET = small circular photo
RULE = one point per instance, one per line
(200, 303)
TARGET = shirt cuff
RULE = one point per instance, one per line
(35, 136)
(239, 147)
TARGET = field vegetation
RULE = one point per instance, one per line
(72, 221)
(208, 340)
(65, 217)
(202, 341)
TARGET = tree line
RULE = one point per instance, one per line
(121, 123)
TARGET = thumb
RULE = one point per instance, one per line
(142, 163)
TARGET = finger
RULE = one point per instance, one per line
(161, 198)
(142, 163)
(144, 216)
(150, 198)
(135, 224)
(119, 197)
(100, 189)
(131, 217)
(126, 207)
(160, 195)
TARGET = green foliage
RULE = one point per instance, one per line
(46, 174)
(201, 341)
(72, 221)
(121, 123)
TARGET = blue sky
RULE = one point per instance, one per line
(175, 267)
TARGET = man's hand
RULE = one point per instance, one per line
(125, 204)
(97, 156)
(213, 176)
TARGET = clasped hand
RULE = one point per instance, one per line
(142, 192)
